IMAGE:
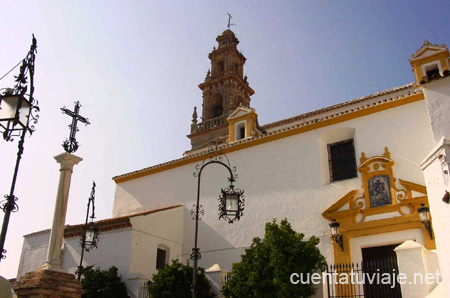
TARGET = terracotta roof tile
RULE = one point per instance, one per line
(336, 106)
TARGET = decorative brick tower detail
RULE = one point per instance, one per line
(224, 89)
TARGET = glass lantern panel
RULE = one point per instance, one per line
(232, 202)
(334, 230)
(423, 216)
(8, 107)
(90, 236)
(24, 113)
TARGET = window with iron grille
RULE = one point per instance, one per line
(342, 160)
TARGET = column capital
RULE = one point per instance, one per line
(67, 160)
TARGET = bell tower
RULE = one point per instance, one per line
(225, 88)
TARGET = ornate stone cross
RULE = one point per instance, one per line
(71, 145)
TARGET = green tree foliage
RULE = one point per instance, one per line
(99, 283)
(175, 280)
(266, 266)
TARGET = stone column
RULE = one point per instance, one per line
(67, 161)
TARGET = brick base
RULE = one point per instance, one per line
(47, 284)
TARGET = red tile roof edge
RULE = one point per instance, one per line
(108, 224)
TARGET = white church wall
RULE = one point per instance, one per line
(282, 179)
(34, 253)
(132, 250)
(157, 229)
(103, 256)
(436, 187)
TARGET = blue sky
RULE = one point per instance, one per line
(135, 67)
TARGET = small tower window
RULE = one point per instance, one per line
(217, 110)
(221, 66)
(240, 131)
(431, 70)
(216, 106)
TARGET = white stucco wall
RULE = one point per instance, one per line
(34, 253)
(438, 105)
(161, 228)
(132, 250)
(283, 178)
(436, 187)
(104, 256)
(437, 95)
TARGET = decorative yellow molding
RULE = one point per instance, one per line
(354, 210)
(427, 54)
(242, 114)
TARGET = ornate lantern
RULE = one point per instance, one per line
(334, 226)
(91, 236)
(424, 214)
(231, 204)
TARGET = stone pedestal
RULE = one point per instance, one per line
(47, 284)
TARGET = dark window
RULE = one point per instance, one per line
(431, 72)
(341, 157)
(217, 110)
(242, 132)
(221, 66)
(160, 258)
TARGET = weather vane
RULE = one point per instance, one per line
(229, 21)
(71, 144)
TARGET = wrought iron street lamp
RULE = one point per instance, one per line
(334, 226)
(424, 214)
(17, 116)
(231, 203)
(89, 235)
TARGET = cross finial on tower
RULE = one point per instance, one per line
(71, 145)
(229, 20)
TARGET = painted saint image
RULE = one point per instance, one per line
(379, 191)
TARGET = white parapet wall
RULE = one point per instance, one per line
(419, 269)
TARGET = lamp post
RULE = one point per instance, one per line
(231, 203)
(89, 235)
(16, 118)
